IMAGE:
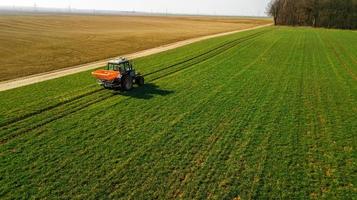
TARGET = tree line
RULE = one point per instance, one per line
(317, 13)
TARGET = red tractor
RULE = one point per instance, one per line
(119, 74)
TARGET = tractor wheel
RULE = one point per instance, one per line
(139, 80)
(127, 83)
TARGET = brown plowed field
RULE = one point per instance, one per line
(32, 44)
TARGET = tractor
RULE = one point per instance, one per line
(119, 74)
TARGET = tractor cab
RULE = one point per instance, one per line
(122, 65)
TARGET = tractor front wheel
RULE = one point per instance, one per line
(127, 83)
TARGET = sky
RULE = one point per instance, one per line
(212, 7)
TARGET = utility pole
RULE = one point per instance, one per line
(35, 7)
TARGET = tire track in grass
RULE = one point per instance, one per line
(216, 52)
(10, 132)
(185, 67)
(25, 116)
(211, 53)
(18, 121)
(30, 124)
(204, 57)
(49, 108)
(170, 58)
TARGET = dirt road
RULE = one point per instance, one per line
(15, 83)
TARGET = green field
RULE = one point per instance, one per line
(269, 113)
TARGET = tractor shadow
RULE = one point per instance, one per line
(147, 91)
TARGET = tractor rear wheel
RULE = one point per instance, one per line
(127, 83)
(139, 80)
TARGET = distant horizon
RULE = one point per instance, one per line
(28, 9)
(184, 7)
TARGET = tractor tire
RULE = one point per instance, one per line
(127, 83)
(139, 80)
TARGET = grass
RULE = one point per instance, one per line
(32, 44)
(269, 113)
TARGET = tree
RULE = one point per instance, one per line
(273, 10)
(316, 13)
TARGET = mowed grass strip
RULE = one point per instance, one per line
(271, 117)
